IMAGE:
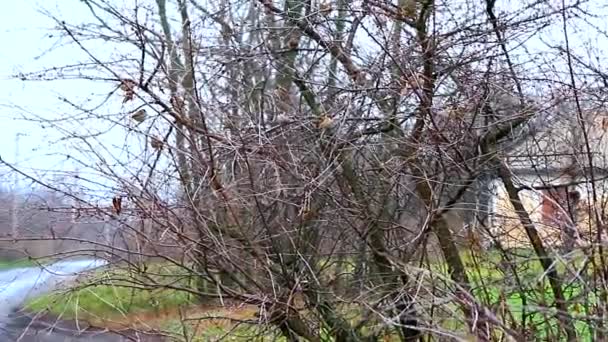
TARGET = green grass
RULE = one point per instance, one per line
(107, 301)
(531, 300)
(113, 295)
(489, 285)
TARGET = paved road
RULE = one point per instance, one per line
(19, 284)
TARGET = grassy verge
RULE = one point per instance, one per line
(106, 301)
(114, 303)
(113, 293)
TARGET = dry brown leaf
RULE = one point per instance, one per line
(156, 143)
(325, 8)
(177, 103)
(293, 43)
(128, 86)
(117, 204)
(408, 9)
(325, 122)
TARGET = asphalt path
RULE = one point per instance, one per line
(17, 285)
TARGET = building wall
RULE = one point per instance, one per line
(507, 228)
(561, 146)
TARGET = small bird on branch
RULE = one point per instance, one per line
(139, 115)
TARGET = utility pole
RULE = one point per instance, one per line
(14, 211)
(75, 211)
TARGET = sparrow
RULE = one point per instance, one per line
(139, 115)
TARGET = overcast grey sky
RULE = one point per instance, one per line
(31, 44)
(26, 47)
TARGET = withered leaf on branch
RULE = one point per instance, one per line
(325, 122)
(177, 103)
(293, 43)
(156, 143)
(128, 86)
(325, 8)
(117, 204)
(408, 9)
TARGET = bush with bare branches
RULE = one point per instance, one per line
(335, 164)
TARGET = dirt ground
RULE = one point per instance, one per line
(20, 327)
(144, 326)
